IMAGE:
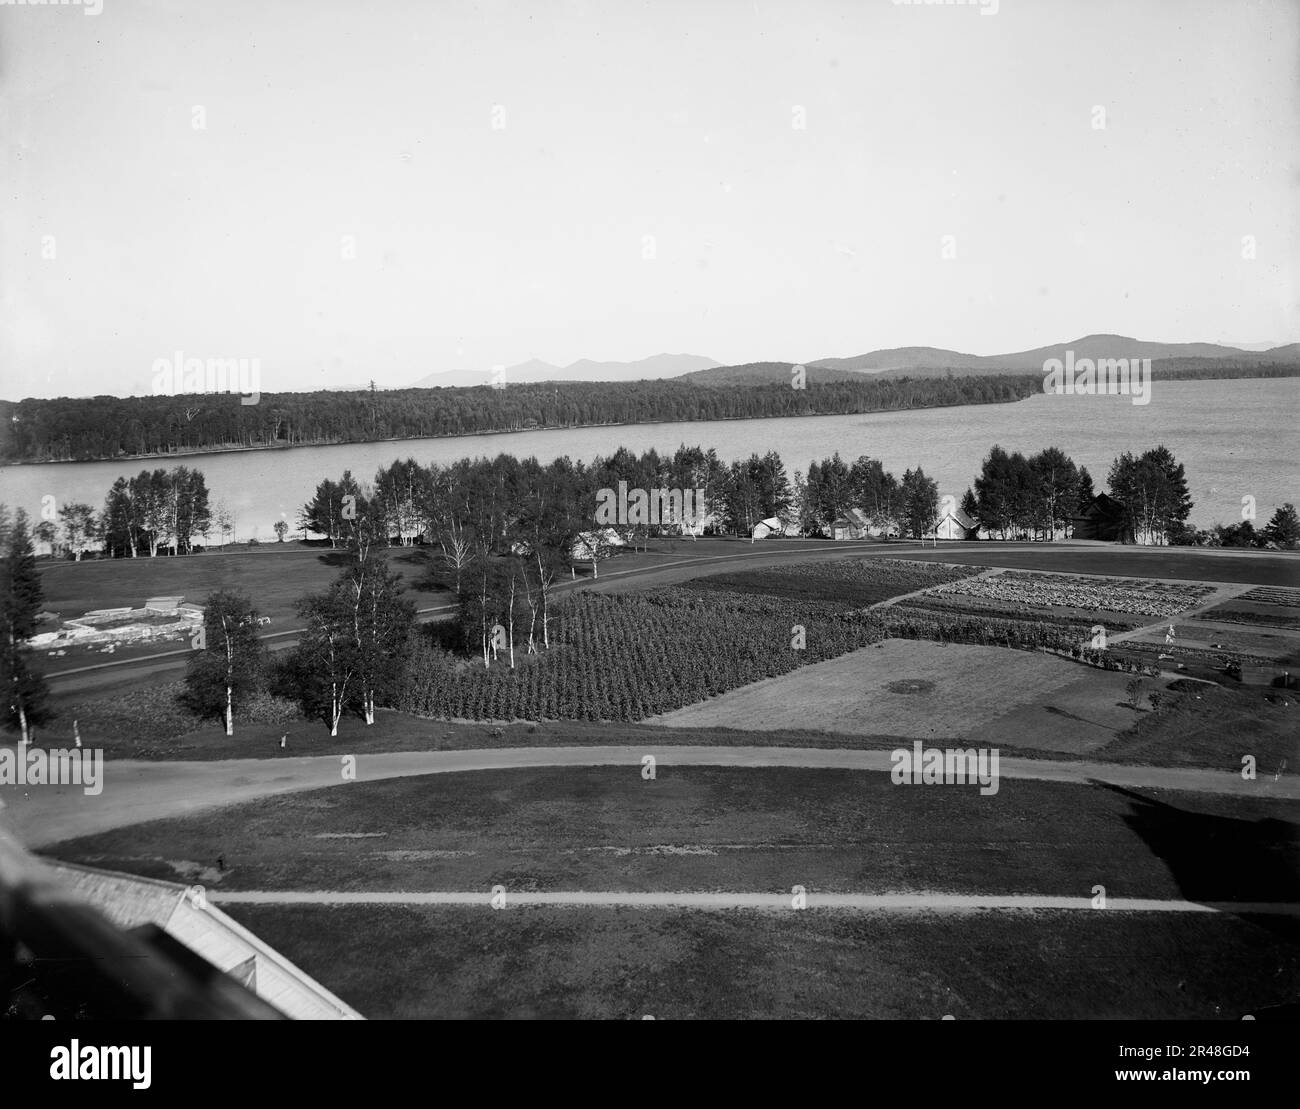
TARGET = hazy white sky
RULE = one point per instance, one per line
(500, 166)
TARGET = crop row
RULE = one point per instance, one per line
(1088, 594)
(1273, 595)
(987, 609)
(627, 657)
(1255, 619)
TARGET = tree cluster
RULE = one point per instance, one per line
(1036, 497)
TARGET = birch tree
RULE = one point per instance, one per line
(229, 664)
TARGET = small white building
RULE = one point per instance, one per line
(954, 525)
(591, 545)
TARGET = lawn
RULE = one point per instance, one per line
(548, 963)
(274, 575)
(719, 828)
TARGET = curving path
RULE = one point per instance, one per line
(136, 791)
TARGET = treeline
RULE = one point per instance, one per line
(95, 428)
(1222, 369)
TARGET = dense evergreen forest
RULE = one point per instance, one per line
(87, 429)
(94, 428)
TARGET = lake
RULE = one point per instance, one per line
(1235, 438)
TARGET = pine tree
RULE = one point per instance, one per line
(20, 600)
(1284, 528)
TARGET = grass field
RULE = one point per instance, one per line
(275, 576)
(926, 690)
(716, 828)
(124, 729)
(546, 963)
(753, 829)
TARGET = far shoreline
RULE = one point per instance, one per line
(496, 431)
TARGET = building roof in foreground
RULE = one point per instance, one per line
(130, 901)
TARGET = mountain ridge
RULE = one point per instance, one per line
(535, 370)
(1093, 346)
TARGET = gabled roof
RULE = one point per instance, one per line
(854, 516)
(1101, 505)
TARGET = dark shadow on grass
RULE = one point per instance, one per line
(1222, 859)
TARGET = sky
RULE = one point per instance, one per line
(349, 191)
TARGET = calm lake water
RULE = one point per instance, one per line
(1235, 438)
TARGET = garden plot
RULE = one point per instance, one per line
(1273, 595)
(1261, 614)
(1226, 639)
(1018, 591)
(851, 583)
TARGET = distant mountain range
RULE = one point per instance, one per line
(1090, 346)
(655, 367)
(770, 373)
(914, 361)
(929, 361)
